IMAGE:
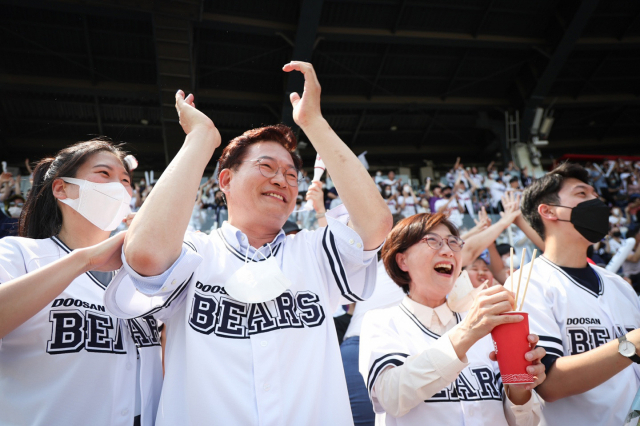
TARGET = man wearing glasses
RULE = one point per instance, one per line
(248, 310)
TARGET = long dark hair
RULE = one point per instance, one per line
(41, 217)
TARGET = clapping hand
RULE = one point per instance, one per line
(191, 118)
(483, 221)
(511, 204)
(306, 108)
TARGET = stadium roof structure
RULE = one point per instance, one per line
(405, 80)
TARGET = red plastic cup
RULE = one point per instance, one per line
(511, 344)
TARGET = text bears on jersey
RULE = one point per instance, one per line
(462, 389)
(229, 318)
(583, 339)
(73, 330)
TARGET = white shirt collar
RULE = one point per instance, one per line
(239, 240)
(425, 313)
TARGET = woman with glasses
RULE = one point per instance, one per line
(423, 362)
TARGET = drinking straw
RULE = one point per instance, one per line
(524, 251)
(511, 268)
(526, 285)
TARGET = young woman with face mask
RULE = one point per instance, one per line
(63, 358)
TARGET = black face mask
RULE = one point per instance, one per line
(590, 218)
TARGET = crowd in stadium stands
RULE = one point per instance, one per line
(460, 191)
(432, 286)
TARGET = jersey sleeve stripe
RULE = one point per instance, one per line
(552, 351)
(550, 339)
(342, 272)
(334, 260)
(396, 358)
(190, 245)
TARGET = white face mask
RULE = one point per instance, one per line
(257, 282)
(103, 204)
(15, 211)
(463, 294)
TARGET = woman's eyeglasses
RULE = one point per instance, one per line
(435, 241)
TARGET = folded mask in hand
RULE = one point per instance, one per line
(257, 282)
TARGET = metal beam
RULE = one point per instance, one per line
(358, 127)
(310, 11)
(587, 82)
(476, 32)
(455, 74)
(560, 55)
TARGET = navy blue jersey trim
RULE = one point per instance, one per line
(240, 255)
(421, 326)
(191, 245)
(170, 300)
(600, 284)
(550, 339)
(379, 364)
(552, 351)
(337, 269)
(64, 247)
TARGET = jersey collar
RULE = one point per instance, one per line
(423, 315)
(237, 242)
(67, 250)
(559, 269)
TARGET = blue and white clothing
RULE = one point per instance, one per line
(414, 375)
(272, 363)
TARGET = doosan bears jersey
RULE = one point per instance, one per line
(72, 363)
(271, 363)
(474, 398)
(571, 319)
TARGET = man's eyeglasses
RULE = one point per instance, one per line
(435, 241)
(269, 169)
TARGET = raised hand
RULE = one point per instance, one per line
(191, 118)
(483, 221)
(511, 204)
(306, 109)
(315, 194)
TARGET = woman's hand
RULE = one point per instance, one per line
(316, 196)
(306, 109)
(483, 317)
(104, 256)
(520, 394)
(191, 118)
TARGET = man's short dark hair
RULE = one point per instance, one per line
(545, 191)
(233, 154)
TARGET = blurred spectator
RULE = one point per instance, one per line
(408, 203)
(391, 181)
(450, 206)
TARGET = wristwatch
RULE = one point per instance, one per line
(628, 349)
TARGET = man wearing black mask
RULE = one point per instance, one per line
(587, 317)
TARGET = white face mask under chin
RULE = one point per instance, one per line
(257, 282)
(103, 204)
(462, 295)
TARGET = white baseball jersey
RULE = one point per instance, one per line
(571, 319)
(389, 336)
(72, 363)
(272, 363)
